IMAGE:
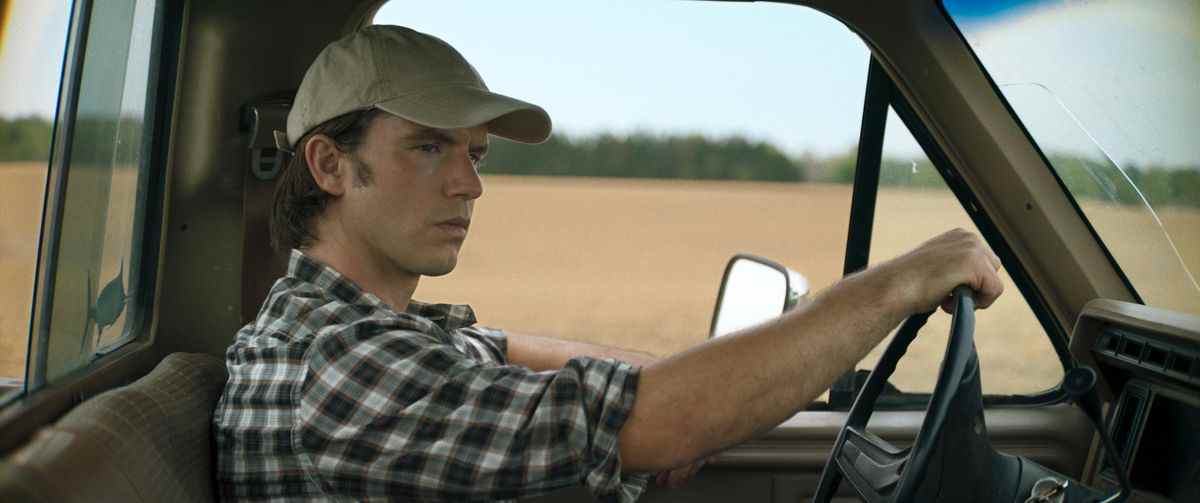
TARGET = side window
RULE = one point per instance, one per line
(674, 149)
(914, 204)
(91, 298)
(31, 54)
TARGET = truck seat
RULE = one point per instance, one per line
(148, 441)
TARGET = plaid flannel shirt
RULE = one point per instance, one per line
(333, 395)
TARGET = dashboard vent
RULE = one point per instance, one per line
(1182, 364)
(1128, 420)
(1156, 357)
(1125, 426)
(1161, 358)
(1132, 349)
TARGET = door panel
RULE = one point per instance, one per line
(1056, 436)
(785, 465)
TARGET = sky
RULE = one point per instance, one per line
(780, 73)
(31, 56)
(1116, 78)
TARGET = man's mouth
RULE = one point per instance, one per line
(455, 226)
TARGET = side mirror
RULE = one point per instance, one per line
(755, 290)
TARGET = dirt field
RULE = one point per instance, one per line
(638, 263)
(21, 195)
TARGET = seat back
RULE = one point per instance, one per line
(261, 265)
(148, 441)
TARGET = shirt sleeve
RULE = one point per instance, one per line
(491, 341)
(401, 414)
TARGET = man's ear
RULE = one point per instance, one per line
(322, 156)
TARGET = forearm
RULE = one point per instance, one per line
(544, 353)
(732, 388)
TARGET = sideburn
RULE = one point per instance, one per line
(362, 172)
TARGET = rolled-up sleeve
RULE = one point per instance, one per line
(488, 341)
(399, 414)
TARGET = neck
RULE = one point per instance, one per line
(370, 271)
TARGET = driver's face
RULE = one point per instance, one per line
(416, 186)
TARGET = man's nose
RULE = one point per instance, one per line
(464, 181)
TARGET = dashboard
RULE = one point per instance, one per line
(1149, 365)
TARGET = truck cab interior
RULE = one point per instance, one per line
(158, 189)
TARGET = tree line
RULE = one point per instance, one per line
(645, 155)
(698, 157)
(24, 139)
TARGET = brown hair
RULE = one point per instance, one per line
(298, 198)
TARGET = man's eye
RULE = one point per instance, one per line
(430, 148)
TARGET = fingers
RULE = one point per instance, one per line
(959, 257)
(682, 475)
(670, 478)
(678, 477)
(990, 286)
(989, 291)
(695, 468)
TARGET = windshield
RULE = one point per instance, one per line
(1109, 91)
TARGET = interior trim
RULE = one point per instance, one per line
(1057, 436)
(1100, 313)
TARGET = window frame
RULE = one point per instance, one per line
(54, 199)
(133, 347)
(880, 94)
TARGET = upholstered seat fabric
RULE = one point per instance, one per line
(148, 441)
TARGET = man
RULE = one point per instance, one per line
(346, 388)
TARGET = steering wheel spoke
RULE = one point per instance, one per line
(873, 465)
(879, 471)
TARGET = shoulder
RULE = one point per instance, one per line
(486, 344)
(392, 334)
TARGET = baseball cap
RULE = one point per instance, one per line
(411, 75)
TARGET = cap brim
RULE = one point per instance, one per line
(450, 107)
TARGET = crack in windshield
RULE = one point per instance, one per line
(1104, 183)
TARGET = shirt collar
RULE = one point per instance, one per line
(308, 269)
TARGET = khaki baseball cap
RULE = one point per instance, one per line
(411, 75)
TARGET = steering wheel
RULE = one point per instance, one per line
(878, 470)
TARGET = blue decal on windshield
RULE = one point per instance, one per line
(971, 11)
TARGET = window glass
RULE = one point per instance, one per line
(914, 204)
(32, 39)
(674, 149)
(97, 265)
(1108, 89)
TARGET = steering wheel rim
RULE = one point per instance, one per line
(879, 471)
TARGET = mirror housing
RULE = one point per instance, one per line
(755, 290)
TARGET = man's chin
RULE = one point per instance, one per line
(439, 268)
(436, 272)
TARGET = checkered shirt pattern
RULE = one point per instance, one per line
(334, 396)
